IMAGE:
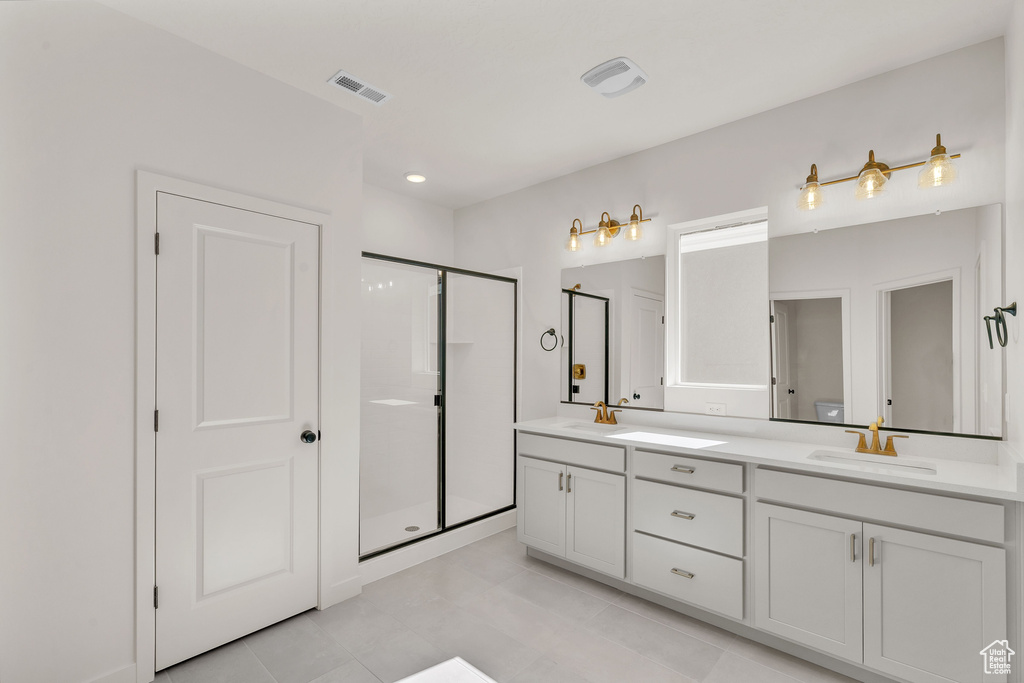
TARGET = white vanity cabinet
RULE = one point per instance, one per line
(906, 603)
(572, 511)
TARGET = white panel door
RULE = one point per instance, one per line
(647, 352)
(931, 605)
(237, 376)
(807, 579)
(540, 505)
(595, 525)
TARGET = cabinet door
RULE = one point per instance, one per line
(931, 604)
(595, 526)
(807, 579)
(540, 505)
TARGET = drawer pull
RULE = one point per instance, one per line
(684, 470)
(871, 552)
(682, 515)
(568, 485)
(560, 475)
(682, 573)
(853, 547)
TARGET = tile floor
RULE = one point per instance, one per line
(515, 618)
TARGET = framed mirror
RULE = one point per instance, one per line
(613, 333)
(888, 319)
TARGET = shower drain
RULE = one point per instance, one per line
(412, 528)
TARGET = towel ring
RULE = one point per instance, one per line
(552, 332)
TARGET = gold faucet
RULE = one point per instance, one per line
(605, 416)
(876, 447)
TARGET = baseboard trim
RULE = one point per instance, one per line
(341, 591)
(122, 675)
(412, 555)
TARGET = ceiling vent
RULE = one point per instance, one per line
(347, 81)
(615, 77)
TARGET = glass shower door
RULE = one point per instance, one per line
(399, 420)
(479, 388)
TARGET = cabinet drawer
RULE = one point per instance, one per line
(688, 574)
(582, 453)
(943, 514)
(709, 520)
(709, 474)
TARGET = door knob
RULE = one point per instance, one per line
(636, 396)
(308, 436)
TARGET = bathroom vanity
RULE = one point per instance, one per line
(904, 567)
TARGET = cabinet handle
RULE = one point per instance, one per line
(682, 515)
(853, 547)
(871, 552)
(569, 483)
(682, 573)
(560, 475)
(684, 470)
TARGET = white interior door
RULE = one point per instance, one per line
(647, 351)
(784, 390)
(237, 384)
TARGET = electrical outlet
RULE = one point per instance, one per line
(714, 409)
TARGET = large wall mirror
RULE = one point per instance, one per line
(888, 319)
(614, 333)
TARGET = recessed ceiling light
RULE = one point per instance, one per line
(415, 177)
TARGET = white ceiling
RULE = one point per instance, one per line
(486, 93)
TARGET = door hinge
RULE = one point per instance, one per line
(771, 318)
(773, 381)
(661, 381)
(156, 420)
(437, 400)
(156, 597)
(156, 243)
(662, 320)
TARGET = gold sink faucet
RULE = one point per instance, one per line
(605, 416)
(876, 447)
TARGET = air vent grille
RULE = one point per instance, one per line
(605, 72)
(615, 77)
(360, 88)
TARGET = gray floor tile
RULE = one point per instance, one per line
(357, 624)
(398, 655)
(399, 593)
(525, 621)
(602, 661)
(784, 663)
(350, 672)
(296, 651)
(680, 622)
(732, 668)
(667, 646)
(487, 566)
(456, 633)
(544, 670)
(577, 581)
(231, 663)
(559, 598)
(162, 677)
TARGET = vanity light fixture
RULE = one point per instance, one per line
(607, 229)
(938, 170)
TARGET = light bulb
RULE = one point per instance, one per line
(811, 196)
(575, 243)
(870, 183)
(634, 231)
(939, 170)
(603, 237)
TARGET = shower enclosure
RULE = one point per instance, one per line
(437, 447)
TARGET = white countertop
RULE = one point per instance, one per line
(1000, 480)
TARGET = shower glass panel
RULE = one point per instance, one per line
(479, 388)
(437, 446)
(398, 459)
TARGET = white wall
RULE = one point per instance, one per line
(758, 161)
(90, 96)
(1014, 253)
(397, 225)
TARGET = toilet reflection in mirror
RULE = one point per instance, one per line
(887, 319)
(614, 333)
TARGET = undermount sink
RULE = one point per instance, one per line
(874, 462)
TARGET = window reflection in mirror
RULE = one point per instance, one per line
(630, 364)
(887, 319)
